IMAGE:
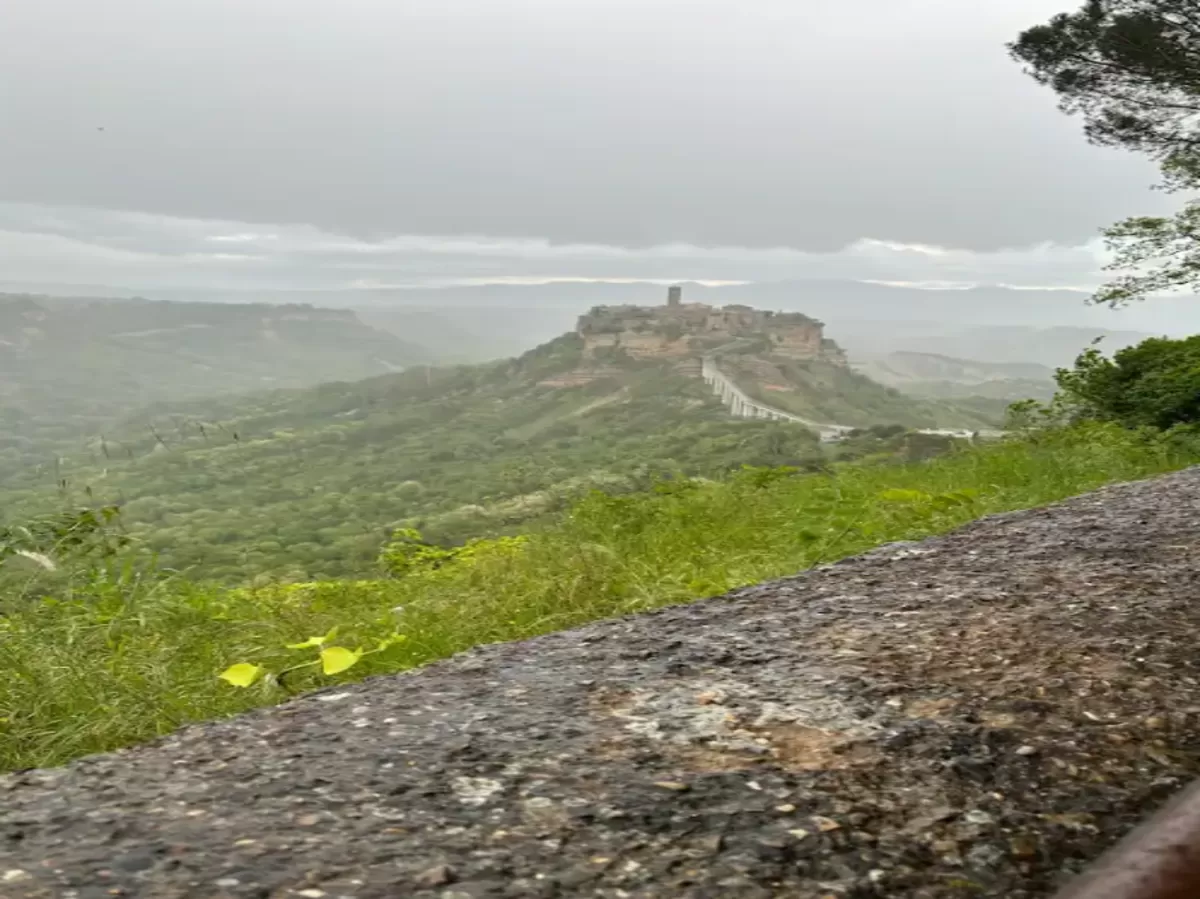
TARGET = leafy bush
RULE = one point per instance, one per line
(1156, 384)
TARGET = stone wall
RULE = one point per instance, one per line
(796, 341)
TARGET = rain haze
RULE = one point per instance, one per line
(533, 375)
(366, 144)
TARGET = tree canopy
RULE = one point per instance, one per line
(1155, 384)
(1131, 69)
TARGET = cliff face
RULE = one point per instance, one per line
(679, 330)
(980, 714)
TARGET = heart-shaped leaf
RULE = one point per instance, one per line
(336, 659)
(242, 674)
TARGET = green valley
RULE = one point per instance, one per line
(310, 482)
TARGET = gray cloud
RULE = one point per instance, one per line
(146, 251)
(809, 124)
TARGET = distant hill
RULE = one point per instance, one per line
(470, 333)
(310, 482)
(72, 366)
(491, 321)
(933, 375)
(1049, 347)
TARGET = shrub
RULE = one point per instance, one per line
(1156, 384)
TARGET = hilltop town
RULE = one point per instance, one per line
(679, 330)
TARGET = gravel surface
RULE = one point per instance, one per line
(979, 714)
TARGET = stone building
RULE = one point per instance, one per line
(679, 329)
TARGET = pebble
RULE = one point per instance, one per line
(437, 876)
(1023, 847)
(985, 856)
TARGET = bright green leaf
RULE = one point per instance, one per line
(311, 641)
(897, 495)
(242, 674)
(314, 641)
(336, 659)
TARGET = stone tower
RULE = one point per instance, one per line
(674, 295)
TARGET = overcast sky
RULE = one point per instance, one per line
(357, 142)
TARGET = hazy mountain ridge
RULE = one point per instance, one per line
(1051, 347)
(935, 375)
(74, 366)
(848, 307)
(273, 335)
(463, 334)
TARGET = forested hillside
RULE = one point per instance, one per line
(72, 366)
(311, 483)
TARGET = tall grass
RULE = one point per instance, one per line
(121, 655)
